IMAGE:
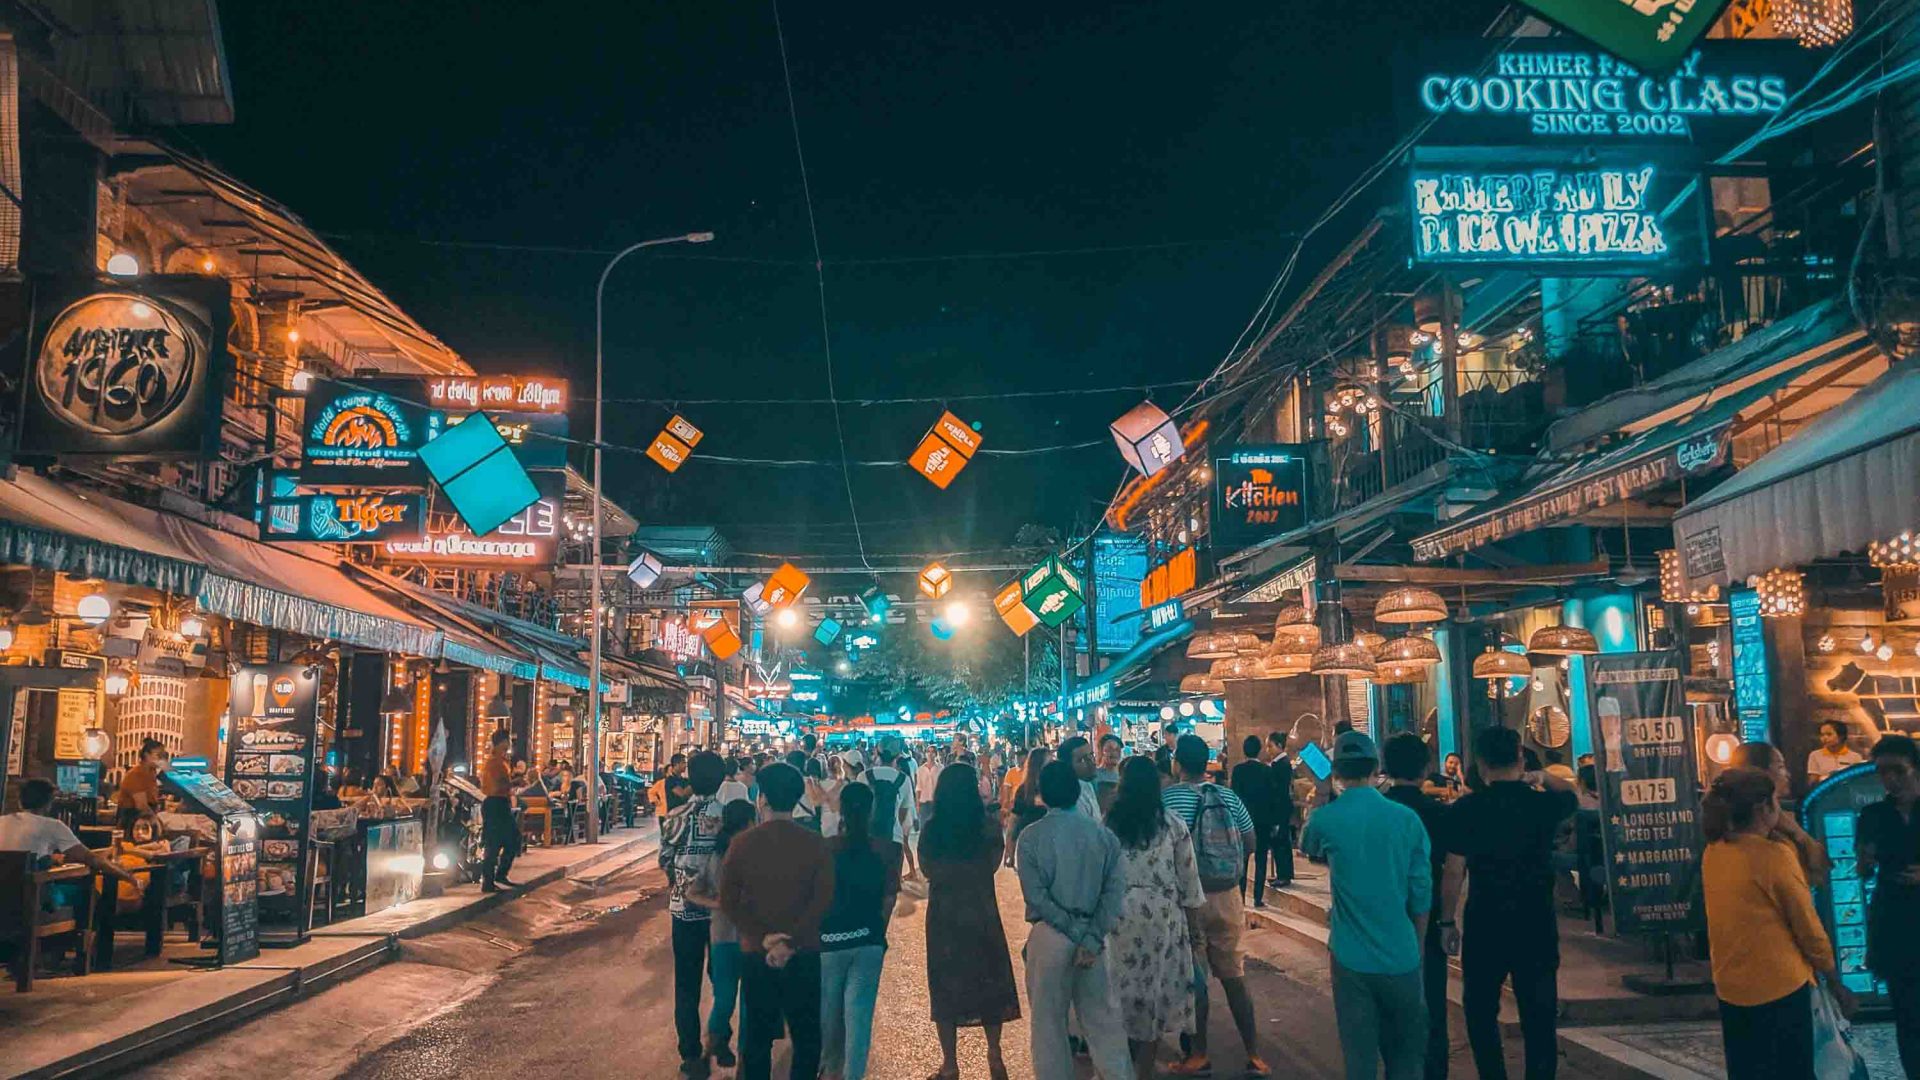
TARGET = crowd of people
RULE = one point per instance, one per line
(1134, 870)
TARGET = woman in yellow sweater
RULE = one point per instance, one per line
(1767, 941)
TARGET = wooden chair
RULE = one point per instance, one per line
(23, 922)
(320, 860)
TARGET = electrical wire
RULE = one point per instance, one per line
(916, 400)
(819, 277)
(871, 260)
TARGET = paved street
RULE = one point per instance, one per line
(567, 981)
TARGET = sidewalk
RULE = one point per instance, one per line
(102, 1023)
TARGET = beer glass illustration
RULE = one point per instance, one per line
(1611, 734)
(259, 701)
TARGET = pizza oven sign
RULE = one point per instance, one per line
(124, 371)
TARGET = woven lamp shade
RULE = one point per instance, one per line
(1293, 615)
(1410, 605)
(1350, 658)
(1501, 664)
(1245, 643)
(1202, 684)
(1411, 650)
(1388, 674)
(1211, 645)
(1562, 641)
(1297, 638)
(1285, 665)
(1370, 641)
(1218, 669)
(1240, 668)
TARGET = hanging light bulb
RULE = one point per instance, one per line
(6, 636)
(192, 625)
(117, 682)
(94, 609)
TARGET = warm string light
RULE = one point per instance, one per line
(1782, 593)
(1901, 552)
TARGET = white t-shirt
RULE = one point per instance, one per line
(1821, 764)
(904, 808)
(927, 781)
(42, 836)
(729, 791)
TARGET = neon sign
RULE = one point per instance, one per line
(1580, 93)
(1537, 215)
(355, 433)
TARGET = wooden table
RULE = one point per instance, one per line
(153, 902)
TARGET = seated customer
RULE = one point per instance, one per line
(33, 831)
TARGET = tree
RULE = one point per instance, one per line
(982, 666)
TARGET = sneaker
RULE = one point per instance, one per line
(1258, 1067)
(489, 887)
(1259, 905)
(695, 1069)
(1193, 1066)
(723, 1053)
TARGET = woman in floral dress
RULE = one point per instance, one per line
(1149, 958)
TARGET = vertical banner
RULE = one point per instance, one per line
(270, 759)
(1649, 790)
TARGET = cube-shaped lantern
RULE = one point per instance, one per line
(685, 432)
(668, 452)
(756, 600)
(935, 580)
(945, 450)
(1052, 592)
(786, 586)
(644, 570)
(1148, 438)
(1013, 609)
(721, 638)
(828, 631)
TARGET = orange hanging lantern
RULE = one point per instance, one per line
(674, 444)
(945, 450)
(786, 586)
(1011, 603)
(935, 580)
(721, 639)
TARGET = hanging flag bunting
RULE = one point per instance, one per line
(786, 586)
(1148, 438)
(945, 450)
(935, 580)
(674, 444)
(1012, 606)
(1052, 592)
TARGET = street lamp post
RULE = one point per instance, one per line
(599, 395)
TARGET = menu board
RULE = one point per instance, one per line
(73, 714)
(1831, 813)
(236, 858)
(1649, 790)
(270, 763)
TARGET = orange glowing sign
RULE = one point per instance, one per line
(668, 452)
(945, 450)
(685, 432)
(786, 585)
(1012, 606)
(1170, 579)
(721, 638)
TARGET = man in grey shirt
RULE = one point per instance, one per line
(1074, 880)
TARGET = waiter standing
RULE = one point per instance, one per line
(497, 830)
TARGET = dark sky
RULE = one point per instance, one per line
(931, 131)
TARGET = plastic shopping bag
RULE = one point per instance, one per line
(1834, 1057)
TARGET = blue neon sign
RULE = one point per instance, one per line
(1750, 683)
(1537, 215)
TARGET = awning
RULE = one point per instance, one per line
(1127, 668)
(1821, 331)
(1812, 363)
(463, 641)
(1850, 477)
(52, 526)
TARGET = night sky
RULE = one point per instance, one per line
(410, 131)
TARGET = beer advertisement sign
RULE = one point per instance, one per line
(360, 517)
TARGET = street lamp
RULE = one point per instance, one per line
(599, 397)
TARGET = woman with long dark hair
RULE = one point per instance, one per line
(853, 936)
(1028, 806)
(969, 971)
(1768, 759)
(723, 949)
(1767, 941)
(1150, 958)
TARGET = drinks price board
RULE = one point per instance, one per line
(1649, 791)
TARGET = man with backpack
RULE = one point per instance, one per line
(1222, 832)
(893, 805)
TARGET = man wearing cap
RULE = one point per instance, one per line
(1378, 864)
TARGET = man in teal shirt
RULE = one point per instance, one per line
(1378, 860)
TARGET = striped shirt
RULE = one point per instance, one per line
(1183, 801)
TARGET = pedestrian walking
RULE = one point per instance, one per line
(1074, 879)
(969, 970)
(499, 836)
(1888, 839)
(893, 808)
(1255, 782)
(1406, 758)
(687, 840)
(1380, 871)
(1222, 832)
(1078, 752)
(1500, 842)
(776, 884)
(1766, 939)
(723, 946)
(853, 938)
(1106, 769)
(1150, 951)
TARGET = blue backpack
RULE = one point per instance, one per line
(1217, 851)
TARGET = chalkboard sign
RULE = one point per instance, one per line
(1649, 790)
(236, 855)
(270, 763)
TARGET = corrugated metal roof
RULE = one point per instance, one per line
(141, 61)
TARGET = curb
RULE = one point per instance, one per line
(143, 1046)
